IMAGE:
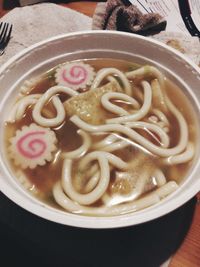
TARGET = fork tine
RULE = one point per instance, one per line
(3, 25)
(5, 34)
(3, 31)
(9, 34)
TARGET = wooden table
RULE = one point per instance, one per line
(188, 254)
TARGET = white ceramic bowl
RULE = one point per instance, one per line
(94, 44)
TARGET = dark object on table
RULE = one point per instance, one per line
(27, 240)
(123, 16)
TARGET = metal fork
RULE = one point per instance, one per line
(5, 34)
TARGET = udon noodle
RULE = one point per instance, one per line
(100, 137)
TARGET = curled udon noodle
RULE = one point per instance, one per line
(158, 100)
(111, 143)
(160, 177)
(105, 101)
(150, 199)
(134, 136)
(161, 116)
(92, 183)
(116, 142)
(157, 84)
(94, 175)
(82, 149)
(99, 190)
(18, 110)
(103, 159)
(60, 116)
(112, 159)
(160, 119)
(110, 139)
(106, 72)
(28, 85)
(116, 145)
(150, 129)
(186, 156)
(139, 114)
(91, 178)
(147, 70)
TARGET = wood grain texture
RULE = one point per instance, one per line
(188, 255)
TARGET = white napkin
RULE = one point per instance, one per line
(32, 24)
(187, 45)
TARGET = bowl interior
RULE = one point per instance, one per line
(85, 45)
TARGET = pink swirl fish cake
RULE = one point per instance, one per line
(76, 75)
(32, 146)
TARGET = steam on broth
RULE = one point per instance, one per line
(101, 136)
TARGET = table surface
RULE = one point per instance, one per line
(188, 252)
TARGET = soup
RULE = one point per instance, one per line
(101, 136)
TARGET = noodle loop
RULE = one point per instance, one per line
(51, 122)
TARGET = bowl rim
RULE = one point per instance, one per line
(93, 222)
